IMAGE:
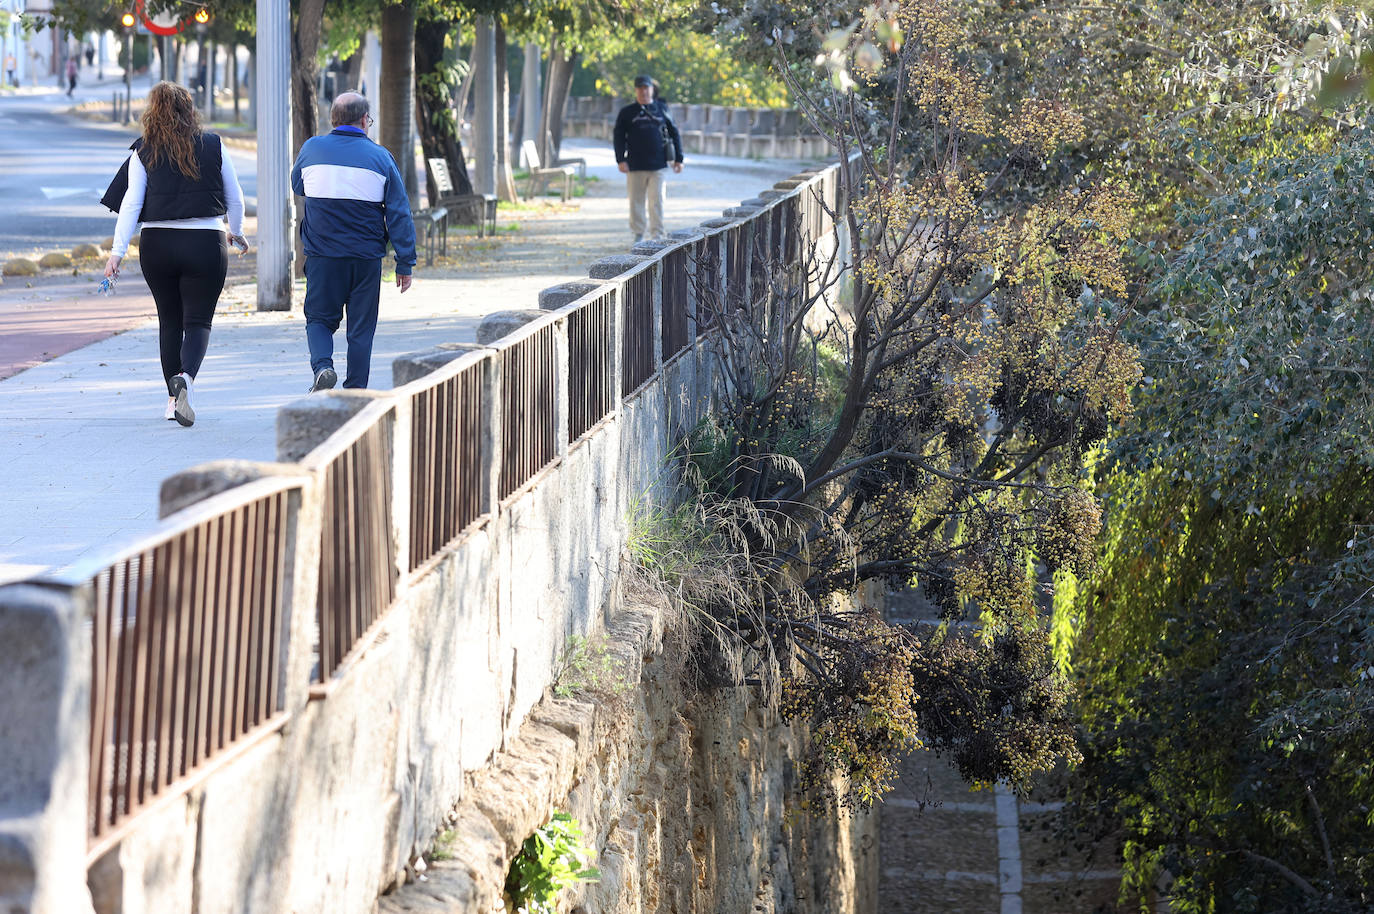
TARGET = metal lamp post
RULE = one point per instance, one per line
(272, 94)
(128, 22)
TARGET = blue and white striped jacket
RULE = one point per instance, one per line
(355, 199)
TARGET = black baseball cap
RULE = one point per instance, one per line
(644, 81)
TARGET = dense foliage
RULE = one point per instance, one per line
(919, 417)
(1225, 645)
(1228, 665)
(690, 66)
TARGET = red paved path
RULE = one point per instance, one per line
(43, 322)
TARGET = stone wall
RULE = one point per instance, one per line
(687, 798)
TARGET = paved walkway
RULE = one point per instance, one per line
(945, 848)
(83, 443)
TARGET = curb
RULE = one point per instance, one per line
(80, 254)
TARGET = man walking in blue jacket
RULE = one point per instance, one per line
(355, 202)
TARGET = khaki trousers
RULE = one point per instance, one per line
(646, 192)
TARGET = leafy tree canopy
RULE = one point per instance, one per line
(1228, 661)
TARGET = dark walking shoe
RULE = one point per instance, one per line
(180, 389)
(325, 379)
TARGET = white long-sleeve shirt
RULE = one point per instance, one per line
(132, 207)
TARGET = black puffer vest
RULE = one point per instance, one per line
(172, 195)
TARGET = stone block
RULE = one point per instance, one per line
(608, 267)
(86, 252)
(565, 293)
(448, 889)
(498, 323)
(768, 196)
(651, 246)
(685, 234)
(717, 223)
(44, 726)
(55, 259)
(206, 480)
(787, 184)
(413, 365)
(573, 718)
(303, 424)
(740, 212)
(20, 266)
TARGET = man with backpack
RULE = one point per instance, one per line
(646, 142)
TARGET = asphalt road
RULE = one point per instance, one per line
(55, 166)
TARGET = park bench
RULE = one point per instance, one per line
(482, 206)
(434, 223)
(541, 176)
(576, 161)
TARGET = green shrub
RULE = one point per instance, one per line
(550, 860)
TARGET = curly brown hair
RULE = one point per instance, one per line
(171, 126)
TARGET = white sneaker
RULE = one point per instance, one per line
(180, 388)
(170, 415)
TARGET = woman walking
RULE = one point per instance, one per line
(181, 182)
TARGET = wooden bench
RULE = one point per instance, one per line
(434, 222)
(483, 204)
(541, 176)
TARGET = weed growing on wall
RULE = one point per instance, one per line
(552, 859)
(587, 665)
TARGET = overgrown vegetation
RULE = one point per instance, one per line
(587, 665)
(1223, 641)
(1228, 663)
(552, 859)
(929, 429)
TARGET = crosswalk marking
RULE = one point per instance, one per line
(57, 193)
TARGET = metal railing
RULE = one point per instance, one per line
(637, 340)
(706, 284)
(675, 291)
(187, 648)
(358, 571)
(527, 406)
(446, 421)
(737, 256)
(591, 364)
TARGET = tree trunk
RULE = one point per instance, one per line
(353, 72)
(253, 85)
(305, 47)
(464, 90)
(234, 75)
(505, 178)
(398, 87)
(210, 80)
(531, 97)
(556, 88)
(437, 120)
(484, 122)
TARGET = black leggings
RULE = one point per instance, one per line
(185, 270)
